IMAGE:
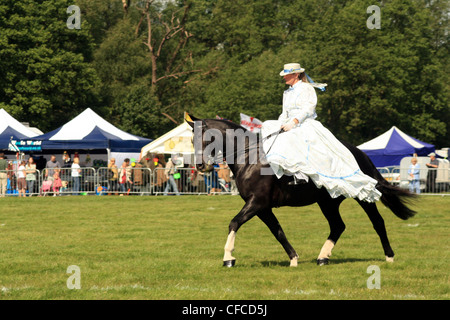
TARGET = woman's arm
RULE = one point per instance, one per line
(305, 107)
(30, 170)
(306, 103)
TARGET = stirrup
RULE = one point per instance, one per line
(297, 181)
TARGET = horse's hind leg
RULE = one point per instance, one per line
(378, 225)
(271, 221)
(330, 209)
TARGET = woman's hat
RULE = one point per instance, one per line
(291, 68)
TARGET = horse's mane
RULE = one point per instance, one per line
(234, 126)
(230, 124)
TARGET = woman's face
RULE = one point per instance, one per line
(291, 79)
(30, 160)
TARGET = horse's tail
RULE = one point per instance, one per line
(395, 198)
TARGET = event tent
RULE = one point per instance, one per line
(11, 128)
(392, 146)
(89, 131)
(178, 140)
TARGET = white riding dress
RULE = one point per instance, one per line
(309, 150)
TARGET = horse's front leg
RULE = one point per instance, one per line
(271, 221)
(247, 212)
(228, 259)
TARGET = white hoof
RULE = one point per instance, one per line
(294, 262)
(389, 259)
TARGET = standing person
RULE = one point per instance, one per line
(51, 167)
(21, 181)
(414, 176)
(432, 171)
(169, 172)
(30, 170)
(161, 178)
(67, 163)
(211, 179)
(57, 183)
(224, 175)
(12, 178)
(3, 174)
(76, 170)
(305, 149)
(125, 177)
(113, 176)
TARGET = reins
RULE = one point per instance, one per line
(270, 135)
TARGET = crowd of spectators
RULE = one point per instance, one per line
(66, 176)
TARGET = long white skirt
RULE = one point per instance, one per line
(312, 150)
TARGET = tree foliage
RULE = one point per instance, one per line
(142, 63)
(46, 75)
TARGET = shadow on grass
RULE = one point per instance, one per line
(314, 261)
(349, 260)
(275, 263)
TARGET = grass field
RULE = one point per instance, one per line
(172, 248)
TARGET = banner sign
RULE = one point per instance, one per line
(25, 145)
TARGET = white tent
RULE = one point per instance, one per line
(89, 126)
(11, 128)
(89, 131)
(178, 140)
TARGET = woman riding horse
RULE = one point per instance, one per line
(307, 149)
(309, 152)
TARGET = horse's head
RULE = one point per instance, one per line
(217, 140)
(208, 142)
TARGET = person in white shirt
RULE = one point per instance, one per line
(414, 176)
(21, 182)
(76, 170)
(306, 149)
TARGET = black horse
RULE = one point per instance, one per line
(261, 193)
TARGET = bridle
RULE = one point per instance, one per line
(213, 159)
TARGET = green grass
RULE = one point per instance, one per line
(172, 248)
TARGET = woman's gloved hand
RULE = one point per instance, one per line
(288, 126)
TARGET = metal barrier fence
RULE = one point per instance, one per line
(143, 181)
(11, 182)
(131, 180)
(191, 181)
(423, 180)
(61, 181)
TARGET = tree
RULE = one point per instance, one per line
(123, 66)
(376, 78)
(101, 15)
(140, 113)
(162, 25)
(46, 76)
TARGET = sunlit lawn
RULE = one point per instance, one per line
(172, 247)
